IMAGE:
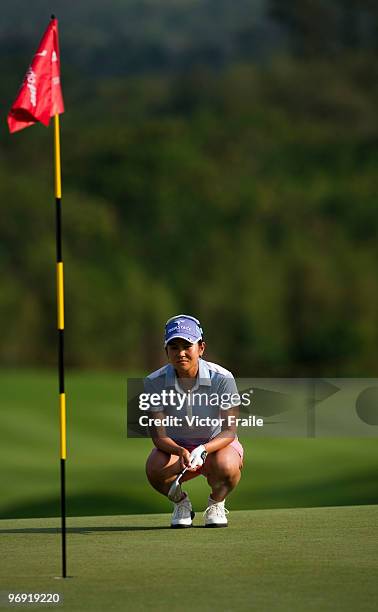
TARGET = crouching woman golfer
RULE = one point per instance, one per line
(193, 424)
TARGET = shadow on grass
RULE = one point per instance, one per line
(84, 504)
(89, 530)
(358, 488)
(82, 530)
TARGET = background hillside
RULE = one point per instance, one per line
(218, 158)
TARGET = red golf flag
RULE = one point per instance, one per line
(40, 96)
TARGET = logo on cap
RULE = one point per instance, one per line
(183, 326)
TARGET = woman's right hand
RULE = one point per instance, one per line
(184, 456)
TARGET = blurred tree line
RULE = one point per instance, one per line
(244, 193)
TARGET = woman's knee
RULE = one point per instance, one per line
(155, 463)
(225, 465)
(160, 467)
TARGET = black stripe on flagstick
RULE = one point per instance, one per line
(58, 230)
(63, 514)
(61, 359)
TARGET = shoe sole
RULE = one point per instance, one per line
(215, 526)
(192, 515)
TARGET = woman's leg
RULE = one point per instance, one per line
(161, 470)
(222, 470)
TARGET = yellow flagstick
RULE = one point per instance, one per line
(57, 170)
(60, 317)
(22, 114)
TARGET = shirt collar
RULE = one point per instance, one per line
(203, 375)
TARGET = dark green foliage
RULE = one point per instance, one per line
(245, 194)
(322, 28)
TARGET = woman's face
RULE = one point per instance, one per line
(184, 356)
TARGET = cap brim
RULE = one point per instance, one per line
(183, 337)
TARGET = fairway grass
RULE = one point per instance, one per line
(106, 470)
(267, 560)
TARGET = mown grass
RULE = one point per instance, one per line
(105, 469)
(320, 559)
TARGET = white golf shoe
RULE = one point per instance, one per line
(215, 514)
(183, 514)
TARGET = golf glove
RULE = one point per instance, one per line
(198, 456)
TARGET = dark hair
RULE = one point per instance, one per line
(200, 341)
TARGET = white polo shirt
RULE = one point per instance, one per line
(213, 393)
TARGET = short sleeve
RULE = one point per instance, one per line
(228, 393)
(153, 390)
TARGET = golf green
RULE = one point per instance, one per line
(267, 560)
